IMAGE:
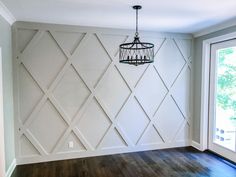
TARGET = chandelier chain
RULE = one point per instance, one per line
(136, 33)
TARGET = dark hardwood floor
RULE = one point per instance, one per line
(179, 162)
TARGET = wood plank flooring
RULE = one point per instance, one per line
(178, 162)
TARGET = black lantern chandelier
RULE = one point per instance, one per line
(136, 53)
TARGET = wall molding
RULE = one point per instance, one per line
(125, 121)
(214, 28)
(11, 168)
(196, 145)
(112, 152)
(87, 29)
(64, 156)
(6, 14)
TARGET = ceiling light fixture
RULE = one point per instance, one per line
(136, 53)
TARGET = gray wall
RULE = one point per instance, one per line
(197, 70)
(5, 44)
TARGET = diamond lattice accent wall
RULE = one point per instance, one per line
(70, 87)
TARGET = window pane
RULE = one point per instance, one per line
(225, 125)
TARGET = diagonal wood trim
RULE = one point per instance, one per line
(94, 147)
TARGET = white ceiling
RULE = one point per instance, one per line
(186, 16)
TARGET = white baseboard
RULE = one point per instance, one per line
(73, 155)
(11, 168)
(196, 145)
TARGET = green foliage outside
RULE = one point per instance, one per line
(226, 88)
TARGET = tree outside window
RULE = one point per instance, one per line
(226, 82)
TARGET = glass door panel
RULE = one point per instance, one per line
(225, 121)
(222, 100)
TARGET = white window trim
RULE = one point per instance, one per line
(206, 49)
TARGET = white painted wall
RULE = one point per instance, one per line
(69, 86)
(2, 144)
